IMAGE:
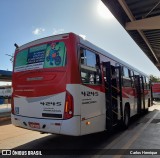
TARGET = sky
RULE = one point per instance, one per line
(23, 21)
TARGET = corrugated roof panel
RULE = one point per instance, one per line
(140, 9)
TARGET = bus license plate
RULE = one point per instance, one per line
(34, 124)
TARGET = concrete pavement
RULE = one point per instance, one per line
(142, 134)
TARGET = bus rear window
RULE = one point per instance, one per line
(42, 56)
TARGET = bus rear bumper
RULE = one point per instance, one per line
(65, 127)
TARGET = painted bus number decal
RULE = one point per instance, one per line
(51, 103)
(89, 93)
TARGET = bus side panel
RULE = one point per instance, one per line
(74, 90)
(93, 110)
(93, 125)
(89, 111)
(71, 126)
(128, 96)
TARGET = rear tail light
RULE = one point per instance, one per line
(68, 109)
(12, 105)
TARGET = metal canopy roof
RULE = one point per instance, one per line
(141, 19)
(5, 75)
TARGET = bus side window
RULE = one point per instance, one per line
(126, 77)
(147, 83)
(141, 82)
(90, 67)
(132, 78)
(144, 82)
(82, 53)
(122, 73)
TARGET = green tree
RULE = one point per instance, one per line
(154, 78)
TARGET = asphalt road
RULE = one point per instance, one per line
(143, 134)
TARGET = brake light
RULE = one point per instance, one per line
(12, 105)
(68, 109)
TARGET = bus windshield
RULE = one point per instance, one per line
(48, 55)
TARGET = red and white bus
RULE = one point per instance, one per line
(63, 84)
(156, 90)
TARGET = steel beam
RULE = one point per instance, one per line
(144, 24)
(132, 18)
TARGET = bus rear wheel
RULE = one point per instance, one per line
(126, 120)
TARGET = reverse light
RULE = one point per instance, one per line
(68, 109)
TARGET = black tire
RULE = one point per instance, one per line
(126, 120)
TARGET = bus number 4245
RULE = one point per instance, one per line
(51, 103)
(89, 93)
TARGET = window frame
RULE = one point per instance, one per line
(97, 66)
(128, 78)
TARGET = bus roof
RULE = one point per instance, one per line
(82, 41)
(156, 82)
(43, 40)
(105, 53)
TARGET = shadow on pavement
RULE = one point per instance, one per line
(88, 145)
(83, 145)
(5, 121)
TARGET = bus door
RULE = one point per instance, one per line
(138, 93)
(119, 90)
(142, 92)
(113, 93)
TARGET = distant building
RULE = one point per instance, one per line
(5, 75)
(5, 94)
(5, 91)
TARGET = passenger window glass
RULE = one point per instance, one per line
(147, 83)
(90, 58)
(136, 73)
(125, 70)
(144, 82)
(90, 67)
(132, 78)
(126, 79)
